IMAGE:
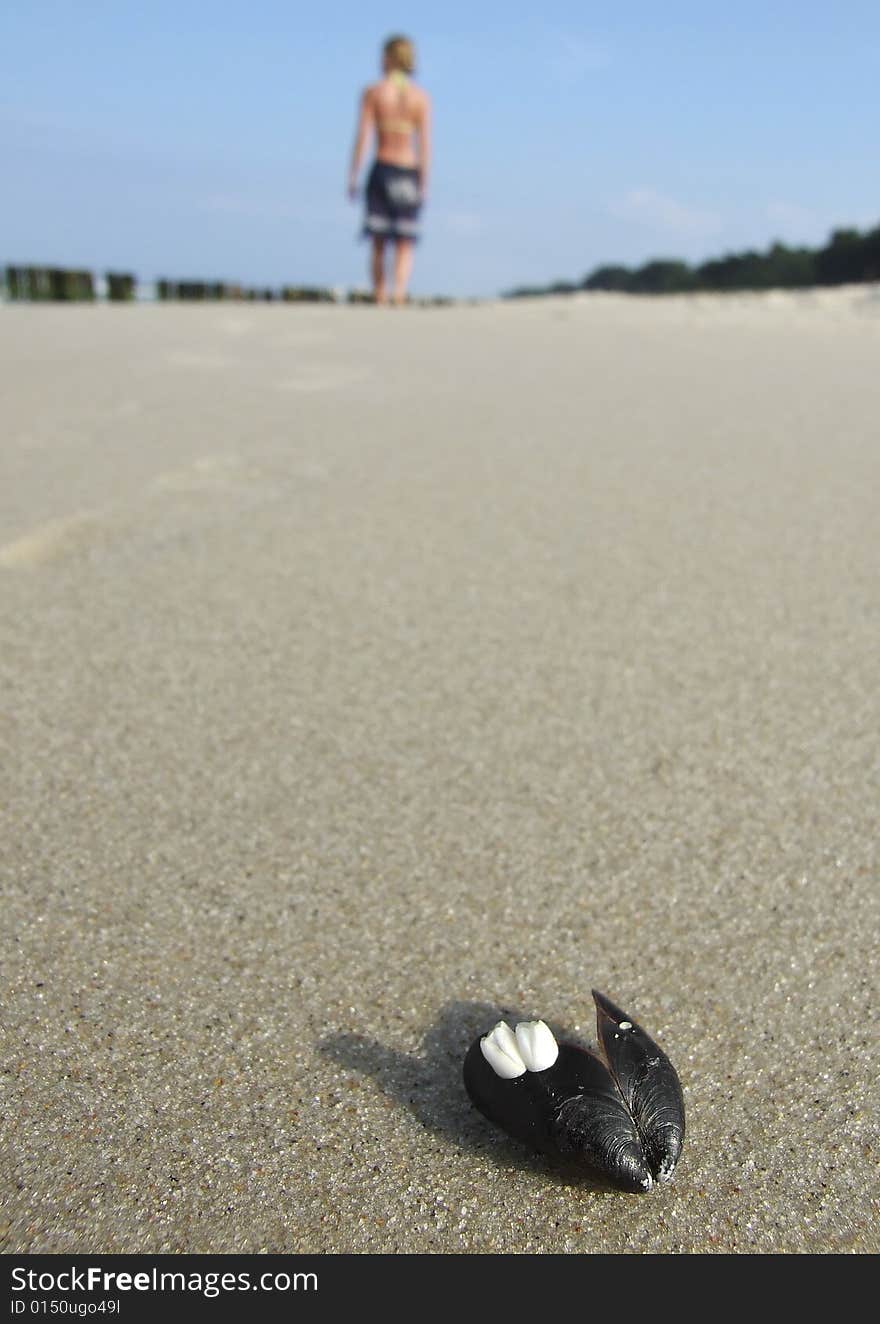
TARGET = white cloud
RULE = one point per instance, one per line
(794, 224)
(237, 204)
(575, 57)
(647, 207)
(262, 208)
(793, 219)
(464, 223)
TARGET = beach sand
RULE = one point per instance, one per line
(369, 674)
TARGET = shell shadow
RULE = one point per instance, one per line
(430, 1085)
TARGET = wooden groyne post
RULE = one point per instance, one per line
(121, 286)
(50, 284)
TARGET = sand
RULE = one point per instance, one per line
(368, 674)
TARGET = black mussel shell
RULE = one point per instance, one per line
(622, 1118)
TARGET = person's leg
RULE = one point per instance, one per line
(404, 252)
(377, 265)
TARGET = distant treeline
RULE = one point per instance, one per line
(849, 257)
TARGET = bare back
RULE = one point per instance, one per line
(399, 113)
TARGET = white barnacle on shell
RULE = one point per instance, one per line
(667, 1167)
(538, 1049)
(500, 1050)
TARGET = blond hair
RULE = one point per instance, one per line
(400, 53)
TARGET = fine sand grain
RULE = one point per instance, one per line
(366, 675)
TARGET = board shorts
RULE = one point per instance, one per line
(394, 200)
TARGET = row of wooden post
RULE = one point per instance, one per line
(45, 284)
(193, 289)
(60, 285)
(54, 284)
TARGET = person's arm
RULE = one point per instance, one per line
(366, 121)
(425, 146)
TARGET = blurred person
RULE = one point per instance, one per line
(399, 114)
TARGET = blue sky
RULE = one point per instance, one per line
(211, 140)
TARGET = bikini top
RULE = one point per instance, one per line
(397, 123)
